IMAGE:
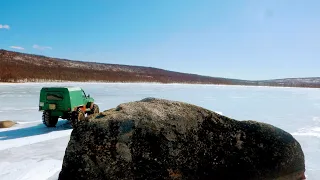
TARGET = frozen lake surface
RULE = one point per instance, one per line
(30, 151)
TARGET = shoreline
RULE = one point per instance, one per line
(148, 83)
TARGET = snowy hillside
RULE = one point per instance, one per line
(30, 151)
(22, 67)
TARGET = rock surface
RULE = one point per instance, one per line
(7, 124)
(162, 139)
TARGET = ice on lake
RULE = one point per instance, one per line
(31, 151)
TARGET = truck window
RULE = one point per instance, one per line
(51, 96)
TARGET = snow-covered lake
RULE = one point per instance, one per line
(30, 151)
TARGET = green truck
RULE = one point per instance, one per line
(70, 103)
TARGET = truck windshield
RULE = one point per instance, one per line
(51, 96)
(83, 94)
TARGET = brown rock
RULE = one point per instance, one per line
(7, 124)
(162, 139)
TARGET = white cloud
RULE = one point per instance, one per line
(17, 47)
(4, 26)
(41, 47)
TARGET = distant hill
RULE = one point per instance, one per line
(22, 67)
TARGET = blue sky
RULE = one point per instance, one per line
(245, 39)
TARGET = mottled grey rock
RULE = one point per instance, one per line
(162, 139)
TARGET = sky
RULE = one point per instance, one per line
(243, 39)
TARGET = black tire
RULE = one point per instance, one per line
(77, 116)
(48, 120)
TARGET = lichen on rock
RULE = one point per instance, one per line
(162, 139)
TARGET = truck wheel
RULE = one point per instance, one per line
(95, 109)
(77, 116)
(48, 120)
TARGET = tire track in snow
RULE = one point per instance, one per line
(38, 161)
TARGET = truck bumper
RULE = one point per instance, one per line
(56, 113)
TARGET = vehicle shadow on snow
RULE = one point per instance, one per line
(34, 130)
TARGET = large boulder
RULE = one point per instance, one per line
(162, 139)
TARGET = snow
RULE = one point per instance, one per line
(30, 151)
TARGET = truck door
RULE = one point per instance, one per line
(54, 100)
